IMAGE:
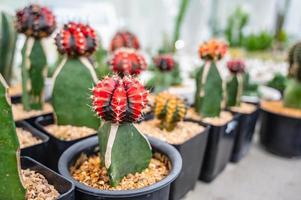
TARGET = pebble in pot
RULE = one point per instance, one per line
(125, 168)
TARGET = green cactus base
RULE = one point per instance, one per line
(292, 95)
(235, 90)
(71, 91)
(124, 150)
(208, 96)
(34, 70)
(10, 183)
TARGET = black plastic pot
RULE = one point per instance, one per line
(280, 135)
(62, 185)
(157, 191)
(56, 146)
(37, 151)
(245, 131)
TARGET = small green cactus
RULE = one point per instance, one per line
(169, 109)
(292, 93)
(10, 182)
(209, 84)
(7, 45)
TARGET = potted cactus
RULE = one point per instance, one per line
(208, 105)
(248, 113)
(166, 73)
(14, 180)
(124, 153)
(36, 23)
(189, 138)
(73, 120)
(280, 131)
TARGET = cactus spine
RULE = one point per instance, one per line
(236, 83)
(119, 102)
(10, 183)
(7, 46)
(169, 109)
(292, 93)
(36, 23)
(75, 76)
(209, 84)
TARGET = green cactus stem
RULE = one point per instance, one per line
(123, 149)
(209, 90)
(101, 63)
(34, 71)
(234, 90)
(70, 98)
(10, 182)
(7, 46)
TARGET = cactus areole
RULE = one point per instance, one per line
(36, 23)
(169, 109)
(124, 39)
(127, 62)
(235, 84)
(123, 149)
(209, 92)
(75, 76)
(10, 183)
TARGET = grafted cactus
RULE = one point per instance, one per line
(124, 39)
(75, 76)
(292, 93)
(169, 109)
(209, 84)
(236, 83)
(10, 183)
(127, 62)
(123, 149)
(36, 23)
(7, 45)
(166, 73)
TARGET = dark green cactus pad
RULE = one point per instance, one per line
(232, 90)
(292, 95)
(10, 183)
(209, 104)
(34, 69)
(71, 92)
(130, 152)
(7, 45)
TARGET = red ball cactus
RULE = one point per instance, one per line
(236, 66)
(119, 100)
(164, 62)
(127, 62)
(124, 39)
(76, 39)
(213, 50)
(35, 21)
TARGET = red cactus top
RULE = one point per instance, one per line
(35, 21)
(236, 66)
(76, 39)
(119, 100)
(164, 62)
(127, 62)
(124, 39)
(213, 50)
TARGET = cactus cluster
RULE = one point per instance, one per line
(236, 83)
(127, 62)
(292, 93)
(35, 22)
(169, 109)
(10, 184)
(76, 41)
(124, 39)
(119, 102)
(209, 84)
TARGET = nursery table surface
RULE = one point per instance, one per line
(258, 176)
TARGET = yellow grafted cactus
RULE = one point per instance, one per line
(169, 109)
